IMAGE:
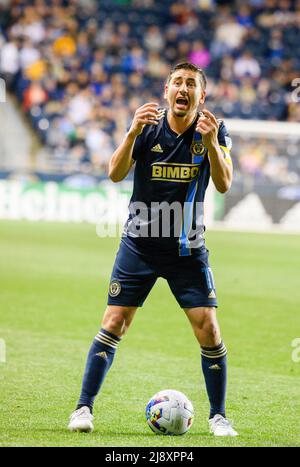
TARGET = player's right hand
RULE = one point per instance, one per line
(147, 114)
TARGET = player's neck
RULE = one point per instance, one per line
(180, 124)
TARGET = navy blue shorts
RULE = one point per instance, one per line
(135, 272)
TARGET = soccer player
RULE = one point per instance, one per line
(175, 152)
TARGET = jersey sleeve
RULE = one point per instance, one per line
(225, 142)
(137, 148)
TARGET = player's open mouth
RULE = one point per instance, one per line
(181, 102)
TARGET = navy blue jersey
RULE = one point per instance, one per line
(172, 171)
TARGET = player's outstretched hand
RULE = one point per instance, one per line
(208, 126)
(147, 114)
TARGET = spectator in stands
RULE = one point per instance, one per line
(34, 95)
(276, 47)
(153, 39)
(199, 55)
(246, 65)
(9, 61)
(244, 16)
(80, 107)
(229, 35)
(28, 54)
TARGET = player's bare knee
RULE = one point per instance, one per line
(211, 331)
(117, 321)
(203, 319)
(206, 327)
(116, 324)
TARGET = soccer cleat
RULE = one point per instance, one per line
(81, 420)
(220, 426)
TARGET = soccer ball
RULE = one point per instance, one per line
(169, 412)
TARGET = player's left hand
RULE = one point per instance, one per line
(208, 126)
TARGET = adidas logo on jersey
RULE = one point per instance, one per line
(157, 148)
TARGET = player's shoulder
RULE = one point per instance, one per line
(222, 126)
(151, 132)
(223, 135)
(146, 140)
(152, 129)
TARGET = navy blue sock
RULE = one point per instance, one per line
(214, 366)
(99, 360)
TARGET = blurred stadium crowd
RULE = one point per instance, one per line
(80, 68)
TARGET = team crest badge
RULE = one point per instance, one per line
(198, 149)
(114, 288)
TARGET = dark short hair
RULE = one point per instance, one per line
(192, 67)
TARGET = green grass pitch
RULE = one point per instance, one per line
(54, 280)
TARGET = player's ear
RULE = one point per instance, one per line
(166, 91)
(202, 97)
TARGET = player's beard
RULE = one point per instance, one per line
(180, 113)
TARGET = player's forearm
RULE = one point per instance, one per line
(121, 160)
(220, 170)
